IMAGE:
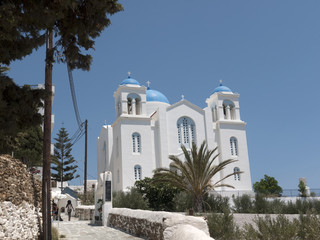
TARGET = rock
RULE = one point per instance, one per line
(19, 193)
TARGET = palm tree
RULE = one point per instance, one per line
(195, 174)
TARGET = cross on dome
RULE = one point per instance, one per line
(220, 82)
(182, 97)
(129, 74)
(148, 83)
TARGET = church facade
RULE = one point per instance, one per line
(148, 129)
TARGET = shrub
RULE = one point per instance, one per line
(309, 226)
(182, 202)
(54, 233)
(275, 206)
(216, 204)
(132, 199)
(261, 205)
(242, 204)
(302, 189)
(159, 195)
(267, 228)
(90, 198)
(222, 226)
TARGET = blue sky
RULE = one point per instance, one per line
(268, 51)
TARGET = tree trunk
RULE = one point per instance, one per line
(198, 200)
(46, 174)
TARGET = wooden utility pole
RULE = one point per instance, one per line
(46, 172)
(85, 159)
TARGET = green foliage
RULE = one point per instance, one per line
(279, 228)
(222, 226)
(302, 189)
(63, 162)
(195, 174)
(158, 194)
(306, 227)
(20, 33)
(215, 204)
(309, 226)
(261, 204)
(29, 146)
(182, 201)
(268, 186)
(242, 204)
(75, 25)
(18, 112)
(89, 200)
(132, 199)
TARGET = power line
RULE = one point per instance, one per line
(74, 98)
(80, 131)
(78, 138)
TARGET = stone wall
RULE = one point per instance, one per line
(20, 200)
(158, 225)
(18, 222)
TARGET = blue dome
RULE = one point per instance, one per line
(222, 88)
(130, 80)
(156, 96)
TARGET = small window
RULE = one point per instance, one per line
(234, 146)
(136, 143)
(137, 172)
(237, 175)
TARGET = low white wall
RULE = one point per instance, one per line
(158, 225)
(84, 212)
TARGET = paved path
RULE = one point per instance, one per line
(83, 230)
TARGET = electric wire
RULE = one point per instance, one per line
(77, 139)
(74, 98)
(80, 131)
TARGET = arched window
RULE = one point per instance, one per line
(134, 104)
(234, 146)
(186, 131)
(229, 110)
(236, 170)
(136, 143)
(137, 172)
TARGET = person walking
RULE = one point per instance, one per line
(69, 208)
(54, 211)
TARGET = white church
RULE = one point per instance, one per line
(148, 129)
